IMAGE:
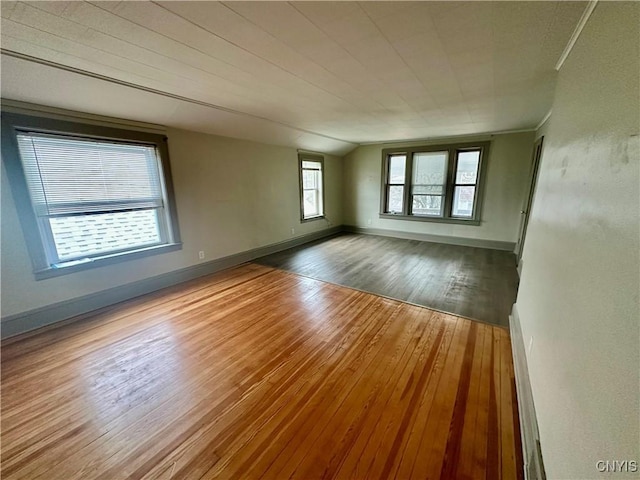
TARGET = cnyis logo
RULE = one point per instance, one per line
(613, 466)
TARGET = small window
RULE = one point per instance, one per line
(311, 186)
(88, 195)
(434, 183)
(466, 183)
(396, 183)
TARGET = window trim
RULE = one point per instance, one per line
(309, 157)
(15, 122)
(452, 161)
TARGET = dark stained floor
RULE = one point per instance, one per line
(472, 282)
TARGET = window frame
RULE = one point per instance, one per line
(388, 184)
(13, 123)
(308, 157)
(449, 187)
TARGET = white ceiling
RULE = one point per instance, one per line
(317, 75)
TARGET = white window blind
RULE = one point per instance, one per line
(93, 197)
(67, 175)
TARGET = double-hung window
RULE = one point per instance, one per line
(311, 186)
(434, 183)
(88, 195)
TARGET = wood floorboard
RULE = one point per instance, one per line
(477, 283)
(259, 373)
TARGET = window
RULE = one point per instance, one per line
(88, 195)
(434, 183)
(311, 186)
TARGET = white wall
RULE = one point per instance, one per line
(579, 291)
(232, 196)
(507, 172)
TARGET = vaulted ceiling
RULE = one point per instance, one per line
(318, 75)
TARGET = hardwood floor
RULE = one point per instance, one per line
(260, 373)
(477, 283)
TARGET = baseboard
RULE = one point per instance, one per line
(20, 323)
(531, 452)
(427, 237)
(519, 268)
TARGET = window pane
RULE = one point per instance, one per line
(394, 199)
(311, 204)
(427, 205)
(311, 165)
(429, 169)
(397, 165)
(463, 201)
(467, 171)
(310, 179)
(89, 235)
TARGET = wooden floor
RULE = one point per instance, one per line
(477, 283)
(259, 373)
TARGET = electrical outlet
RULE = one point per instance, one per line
(293, 231)
(530, 344)
(201, 255)
(369, 222)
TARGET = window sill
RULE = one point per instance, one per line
(311, 219)
(415, 218)
(51, 272)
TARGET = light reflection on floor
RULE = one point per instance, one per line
(132, 374)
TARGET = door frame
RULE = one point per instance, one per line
(526, 211)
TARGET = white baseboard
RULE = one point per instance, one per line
(531, 453)
(519, 268)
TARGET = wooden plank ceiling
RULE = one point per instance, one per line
(341, 73)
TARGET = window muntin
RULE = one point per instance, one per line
(88, 195)
(311, 187)
(443, 183)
